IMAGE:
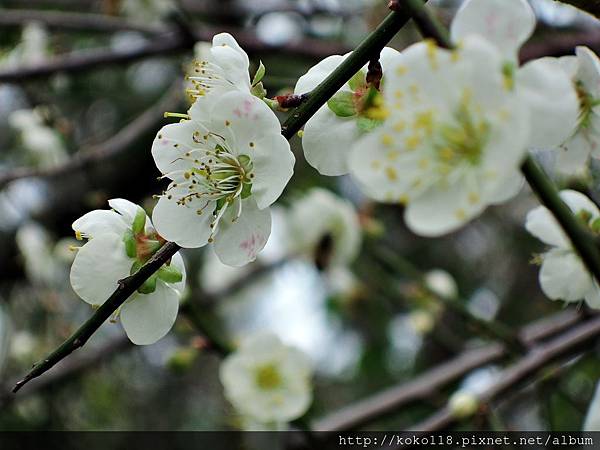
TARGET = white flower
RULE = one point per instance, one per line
(592, 420)
(454, 138)
(35, 246)
(584, 69)
(326, 227)
(267, 380)
(441, 283)
(543, 83)
(563, 274)
(43, 143)
(218, 70)
(32, 49)
(145, 11)
(227, 166)
(328, 135)
(120, 241)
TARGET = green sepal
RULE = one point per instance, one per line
(365, 124)
(260, 73)
(170, 274)
(149, 285)
(139, 222)
(246, 190)
(130, 244)
(135, 267)
(370, 97)
(595, 226)
(220, 203)
(342, 104)
(357, 81)
(259, 91)
(273, 104)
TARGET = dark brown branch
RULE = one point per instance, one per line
(119, 143)
(427, 383)
(566, 345)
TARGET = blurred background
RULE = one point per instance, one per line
(76, 130)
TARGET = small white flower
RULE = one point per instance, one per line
(120, 241)
(217, 70)
(42, 142)
(328, 135)
(543, 84)
(32, 49)
(454, 138)
(584, 69)
(592, 420)
(35, 246)
(563, 274)
(325, 227)
(227, 166)
(267, 380)
(441, 282)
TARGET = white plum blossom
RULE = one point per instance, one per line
(267, 380)
(35, 246)
(43, 143)
(227, 166)
(326, 227)
(32, 49)
(592, 420)
(584, 69)
(543, 83)
(119, 242)
(353, 111)
(563, 275)
(454, 138)
(218, 69)
(441, 283)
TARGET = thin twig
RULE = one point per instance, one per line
(431, 381)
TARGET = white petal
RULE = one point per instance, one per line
(127, 209)
(551, 95)
(505, 23)
(592, 298)
(227, 54)
(588, 70)
(237, 243)
(100, 221)
(98, 266)
(177, 262)
(148, 317)
(592, 420)
(563, 276)
(579, 202)
(318, 73)
(181, 223)
(542, 224)
(273, 167)
(442, 210)
(327, 141)
(573, 155)
(171, 144)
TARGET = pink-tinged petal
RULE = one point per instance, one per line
(239, 242)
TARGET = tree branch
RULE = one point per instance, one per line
(371, 45)
(430, 381)
(565, 345)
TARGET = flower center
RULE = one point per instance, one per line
(267, 377)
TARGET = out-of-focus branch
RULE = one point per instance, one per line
(432, 380)
(117, 144)
(589, 6)
(564, 346)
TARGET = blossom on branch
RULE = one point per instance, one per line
(351, 112)
(267, 380)
(563, 276)
(119, 242)
(592, 420)
(227, 164)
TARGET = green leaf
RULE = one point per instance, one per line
(365, 124)
(170, 274)
(130, 244)
(342, 104)
(357, 81)
(149, 285)
(258, 90)
(260, 73)
(139, 222)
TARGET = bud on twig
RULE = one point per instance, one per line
(291, 100)
(374, 73)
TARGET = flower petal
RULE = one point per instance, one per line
(505, 23)
(125, 208)
(588, 70)
(563, 276)
(181, 223)
(542, 224)
(227, 54)
(178, 263)
(237, 243)
(579, 202)
(573, 155)
(592, 420)
(592, 298)
(100, 221)
(318, 73)
(148, 317)
(550, 93)
(98, 266)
